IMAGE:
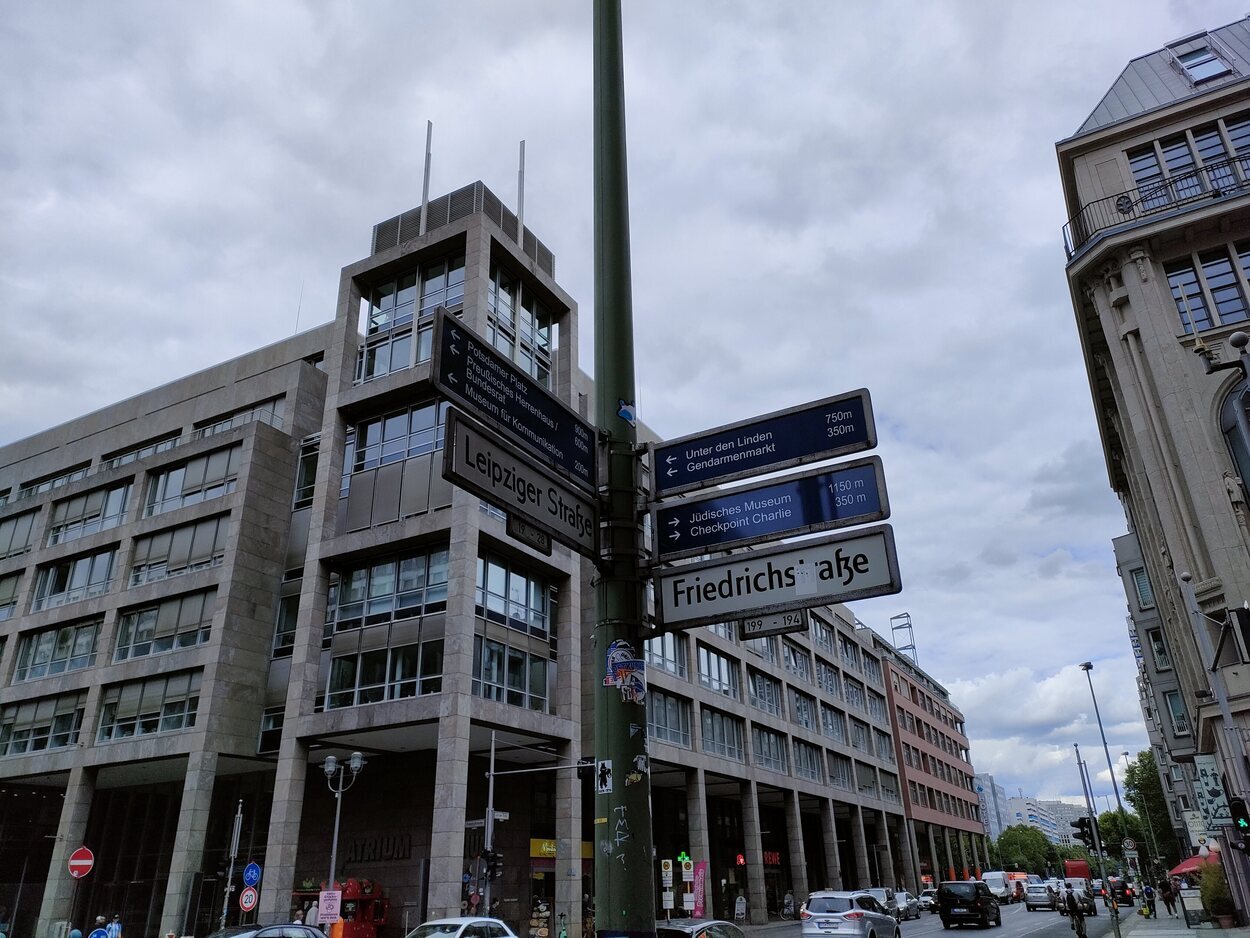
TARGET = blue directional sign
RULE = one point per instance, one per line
(818, 500)
(502, 396)
(251, 874)
(791, 437)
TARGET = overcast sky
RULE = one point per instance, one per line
(824, 196)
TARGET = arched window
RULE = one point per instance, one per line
(1237, 438)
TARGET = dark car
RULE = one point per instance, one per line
(968, 903)
(1121, 889)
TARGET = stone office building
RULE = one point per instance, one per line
(210, 588)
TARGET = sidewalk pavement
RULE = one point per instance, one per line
(1164, 927)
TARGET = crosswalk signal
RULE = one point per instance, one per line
(1084, 831)
(494, 865)
(1241, 817)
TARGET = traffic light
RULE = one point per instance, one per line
(1241, 816)
(494, 865)
(1084, 831)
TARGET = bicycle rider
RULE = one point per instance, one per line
(1076, 911)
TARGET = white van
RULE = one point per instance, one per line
(999, 885)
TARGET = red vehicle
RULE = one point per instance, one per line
(1076, 869)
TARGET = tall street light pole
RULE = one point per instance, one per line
(339, 781)
(1145, 815)
(1088, 666)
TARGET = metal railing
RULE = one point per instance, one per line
(1215, 180)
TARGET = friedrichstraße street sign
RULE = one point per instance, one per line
(835, 568)
(498, 393)
(790, 437)
(779, 624)
(482, 462)
(817, 500)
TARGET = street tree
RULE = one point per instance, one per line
(1023, 848)
(1144, 792)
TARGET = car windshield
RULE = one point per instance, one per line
(432, 929)
(958, 890)
(828, 904)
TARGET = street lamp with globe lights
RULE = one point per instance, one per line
(339, 781)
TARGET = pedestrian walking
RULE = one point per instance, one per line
(75, 932)
(114, 929)
(1169, 897)
(312, 916)
(1149, 894)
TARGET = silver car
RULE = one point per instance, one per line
(847, 915)
(908, 906)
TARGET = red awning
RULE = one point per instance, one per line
(1191, 864)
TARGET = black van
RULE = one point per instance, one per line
(968, 902)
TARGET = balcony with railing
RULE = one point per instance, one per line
(1181, 192)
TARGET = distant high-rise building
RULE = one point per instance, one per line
(993, 798)
(1029, 810)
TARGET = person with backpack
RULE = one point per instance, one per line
(1148, 893)
(1076, 911)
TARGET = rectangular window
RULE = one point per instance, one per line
(519, 325)
(511, 675)
(142, 708)
(388, 590)
(57, 650)
(802, 709)
(269, 411)
(827, 679)
(840, 773)
(1159, 648)
(872, 669)
(722, 734)
(764, 692)
(271, 723)
(668, 718)
(160, 444)
(808, 761)
(724, 629)
(36, 725)
(16, 533)
(197, 480)
(833, 724)
(1210, 145)
(1176, 710)
(876, 706)
(512, 596)
(797, 661)
(74, 579)
(284, 629)
(385, 674)
(854, 692)
(180, 550)
(1179, 160)
(1222, 281)
(174, 622)
(1191, 303)
(396, 436)
(97, 510)
(306, 472)
(822, 632)
(860, 735)
(718, 673)
(850, 652)
(8, 595)
(768, 750)
(48, 483)
(668, 652)
(764, 647)
(1202, 64)
(884, 746)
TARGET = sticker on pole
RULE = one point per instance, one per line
(603, 777)
(328, 905)
(80, 862)
(247, 899)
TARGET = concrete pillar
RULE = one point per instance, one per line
(863, 877)
(907, 847)
(71, 831)
(935, 865)
(451, 784)
(889, 875)
(950, 860)
(963, 855)
(829, 830)
(700, 837)
(976, 854)
(794, 840)
(188, 855)
(569, 843)
(757, 911)
(284, 827)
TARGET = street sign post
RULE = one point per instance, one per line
(836, 568)
(80, 862)
(497, 392)
(817, 500)
(819, 430)
(478, 460)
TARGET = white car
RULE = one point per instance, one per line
(928, 900)
(462, 928)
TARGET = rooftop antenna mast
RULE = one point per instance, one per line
(902, 623)
(425, 185)
(520, 198)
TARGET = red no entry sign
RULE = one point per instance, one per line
(80, 862)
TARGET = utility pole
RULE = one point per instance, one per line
(234, 853)
(624, 881)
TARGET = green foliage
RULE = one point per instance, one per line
(1213, 887)
(1114, 827)
(1021, 847)
(1144, 792)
